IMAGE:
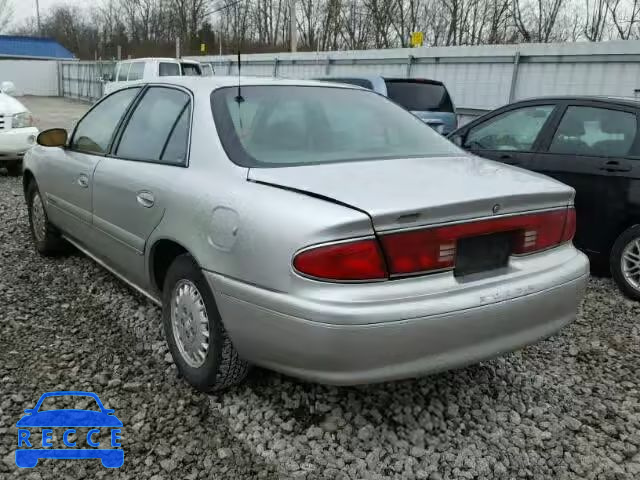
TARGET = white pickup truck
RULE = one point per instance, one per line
(17, 133)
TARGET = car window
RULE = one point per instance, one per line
(169, 70)
(595, 131)
(136, 71)
(515, 130)
(123, 72)
(175, 151)
(94, 132)
(69, 402)
(419, 96)
(153, 122)
(287, 125)
(190, 70)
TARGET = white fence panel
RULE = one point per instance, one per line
(31, 77)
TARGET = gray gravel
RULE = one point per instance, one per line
(567, 408)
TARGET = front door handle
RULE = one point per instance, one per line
(83, 181)
(145, 199)
(616, 166)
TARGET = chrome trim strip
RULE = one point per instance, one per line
(470, 220)
(112, 271)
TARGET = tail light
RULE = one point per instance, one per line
(359, 260)
(430, 249)
(435, 248)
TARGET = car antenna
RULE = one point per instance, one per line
(239, 97)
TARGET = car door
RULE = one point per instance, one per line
(593, 147)
(510, 135)
(132, 184)
(70, 179)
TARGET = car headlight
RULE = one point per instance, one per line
(22, 120)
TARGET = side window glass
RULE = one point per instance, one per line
(515, 130)
(595, 132)
(152, 126)
(169, 70)
(94, 132)
(123, 72)
(175, 151)
(136, 72)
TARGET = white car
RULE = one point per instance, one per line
(150, 69)
(17, 133)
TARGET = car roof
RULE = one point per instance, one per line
(628, 101)
(196, 83)
(159, 59)
(374, 78)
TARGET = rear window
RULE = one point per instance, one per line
(169, 70)
(282, 126)
(360, 82)
(419, 96)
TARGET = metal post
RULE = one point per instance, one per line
(410, 61)
(293, 30)
(275, 67)
(119, 52)
(514, 77)
(38, 17)
(327, 68)
(178, 47)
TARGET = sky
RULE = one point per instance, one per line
(23, 9)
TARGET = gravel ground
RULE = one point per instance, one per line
(567, 408)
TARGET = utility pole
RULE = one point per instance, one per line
(38, 17)
(293, 27)
(177, 47)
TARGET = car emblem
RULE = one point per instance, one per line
(496, 208)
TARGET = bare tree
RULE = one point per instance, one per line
(625, 16)
(536, 20)
(6, 14)
(596, 19)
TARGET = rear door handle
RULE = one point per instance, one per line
(145, 199)
(616, 166)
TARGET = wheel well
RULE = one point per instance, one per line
(27, 178)
(163, 253)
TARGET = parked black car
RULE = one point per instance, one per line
(590, 143)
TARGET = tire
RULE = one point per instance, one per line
(14, 169)
(46, 237)
(185, 294)
(625, 262)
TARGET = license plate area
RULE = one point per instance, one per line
(483, 253)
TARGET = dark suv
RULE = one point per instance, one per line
(590, 143)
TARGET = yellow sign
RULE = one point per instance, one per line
(417, 38)
(203, 48)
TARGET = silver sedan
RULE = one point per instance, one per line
(318, 230)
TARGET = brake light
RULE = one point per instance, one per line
(435, 248)
(348, 261)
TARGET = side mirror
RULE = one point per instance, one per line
(30, 410)
(108, 411)
(107, 77)
(54, 137)
(8, 88)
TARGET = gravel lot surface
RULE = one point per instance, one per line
(567, 408)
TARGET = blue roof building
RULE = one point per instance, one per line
(13, 46)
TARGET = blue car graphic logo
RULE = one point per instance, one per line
(29, 451)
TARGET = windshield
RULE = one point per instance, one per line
(299, 125)
(419, 96)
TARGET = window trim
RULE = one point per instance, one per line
(634, 150)
(537, 142)
(125, 122)
(115, 132)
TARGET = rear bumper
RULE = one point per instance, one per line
(347, 351)
(15, 142)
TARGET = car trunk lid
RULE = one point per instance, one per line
(410, 192)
